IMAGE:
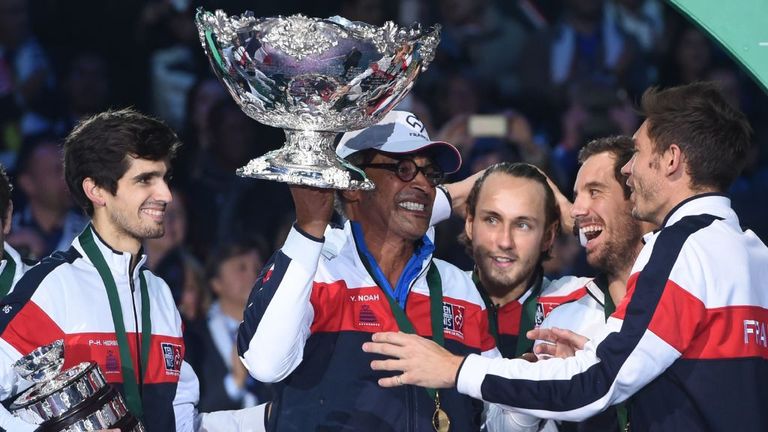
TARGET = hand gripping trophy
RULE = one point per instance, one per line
(313, 78)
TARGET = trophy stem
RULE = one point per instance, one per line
(308, 159)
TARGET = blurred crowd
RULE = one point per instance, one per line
(515, 80)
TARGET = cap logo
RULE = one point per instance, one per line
(415, 123)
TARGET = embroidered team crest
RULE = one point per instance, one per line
(539, 318)
(111, 364)
(453, 319)
(172, 357)
(367, 317)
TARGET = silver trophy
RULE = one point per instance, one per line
(76, 399)
(313, 78)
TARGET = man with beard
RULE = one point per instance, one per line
(691, 327)
(511, 223)
(602, 217)
(97, 291)
(97, 296)
(329, 289)
(510, 226)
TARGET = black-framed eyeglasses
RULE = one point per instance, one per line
(407, 170)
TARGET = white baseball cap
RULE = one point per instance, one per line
(400, 132)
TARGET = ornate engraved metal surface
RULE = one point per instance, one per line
(76, 399)
(41, 364)
(313, 78)
(313, 42)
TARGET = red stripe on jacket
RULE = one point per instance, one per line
(549, 303)
(165, 355)
(366, 309)
(31, 328)
(700, 333)
(508, 318)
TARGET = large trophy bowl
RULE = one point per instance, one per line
(313, 78)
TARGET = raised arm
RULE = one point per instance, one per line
(451, 198)
(277, 319)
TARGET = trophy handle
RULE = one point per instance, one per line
(43, 363)
(214, 50)
(308, 159)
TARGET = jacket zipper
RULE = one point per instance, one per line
(495, 312)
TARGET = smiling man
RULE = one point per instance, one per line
(329, 289)
(690, 328)
(512, 219)
(97, 296)
(602, 216)
(601, 211)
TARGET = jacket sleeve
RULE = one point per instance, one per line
(441, 208)
(498, 419)
(247, 419)
(188, 419)
(277, 319)
(10, 385)
(185, 401)
(24, 326)
(646, 339)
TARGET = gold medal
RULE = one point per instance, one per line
(440, 420)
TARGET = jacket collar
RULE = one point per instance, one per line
(714, 204)
(118, 261)
(9, 253)
(423, 251)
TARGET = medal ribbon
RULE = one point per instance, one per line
(527, 315)
(6, 277)
(490, 307)
(435, 307)
(130, 386)
(609, 308)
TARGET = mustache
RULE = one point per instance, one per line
(415, 196)
(481, 252)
